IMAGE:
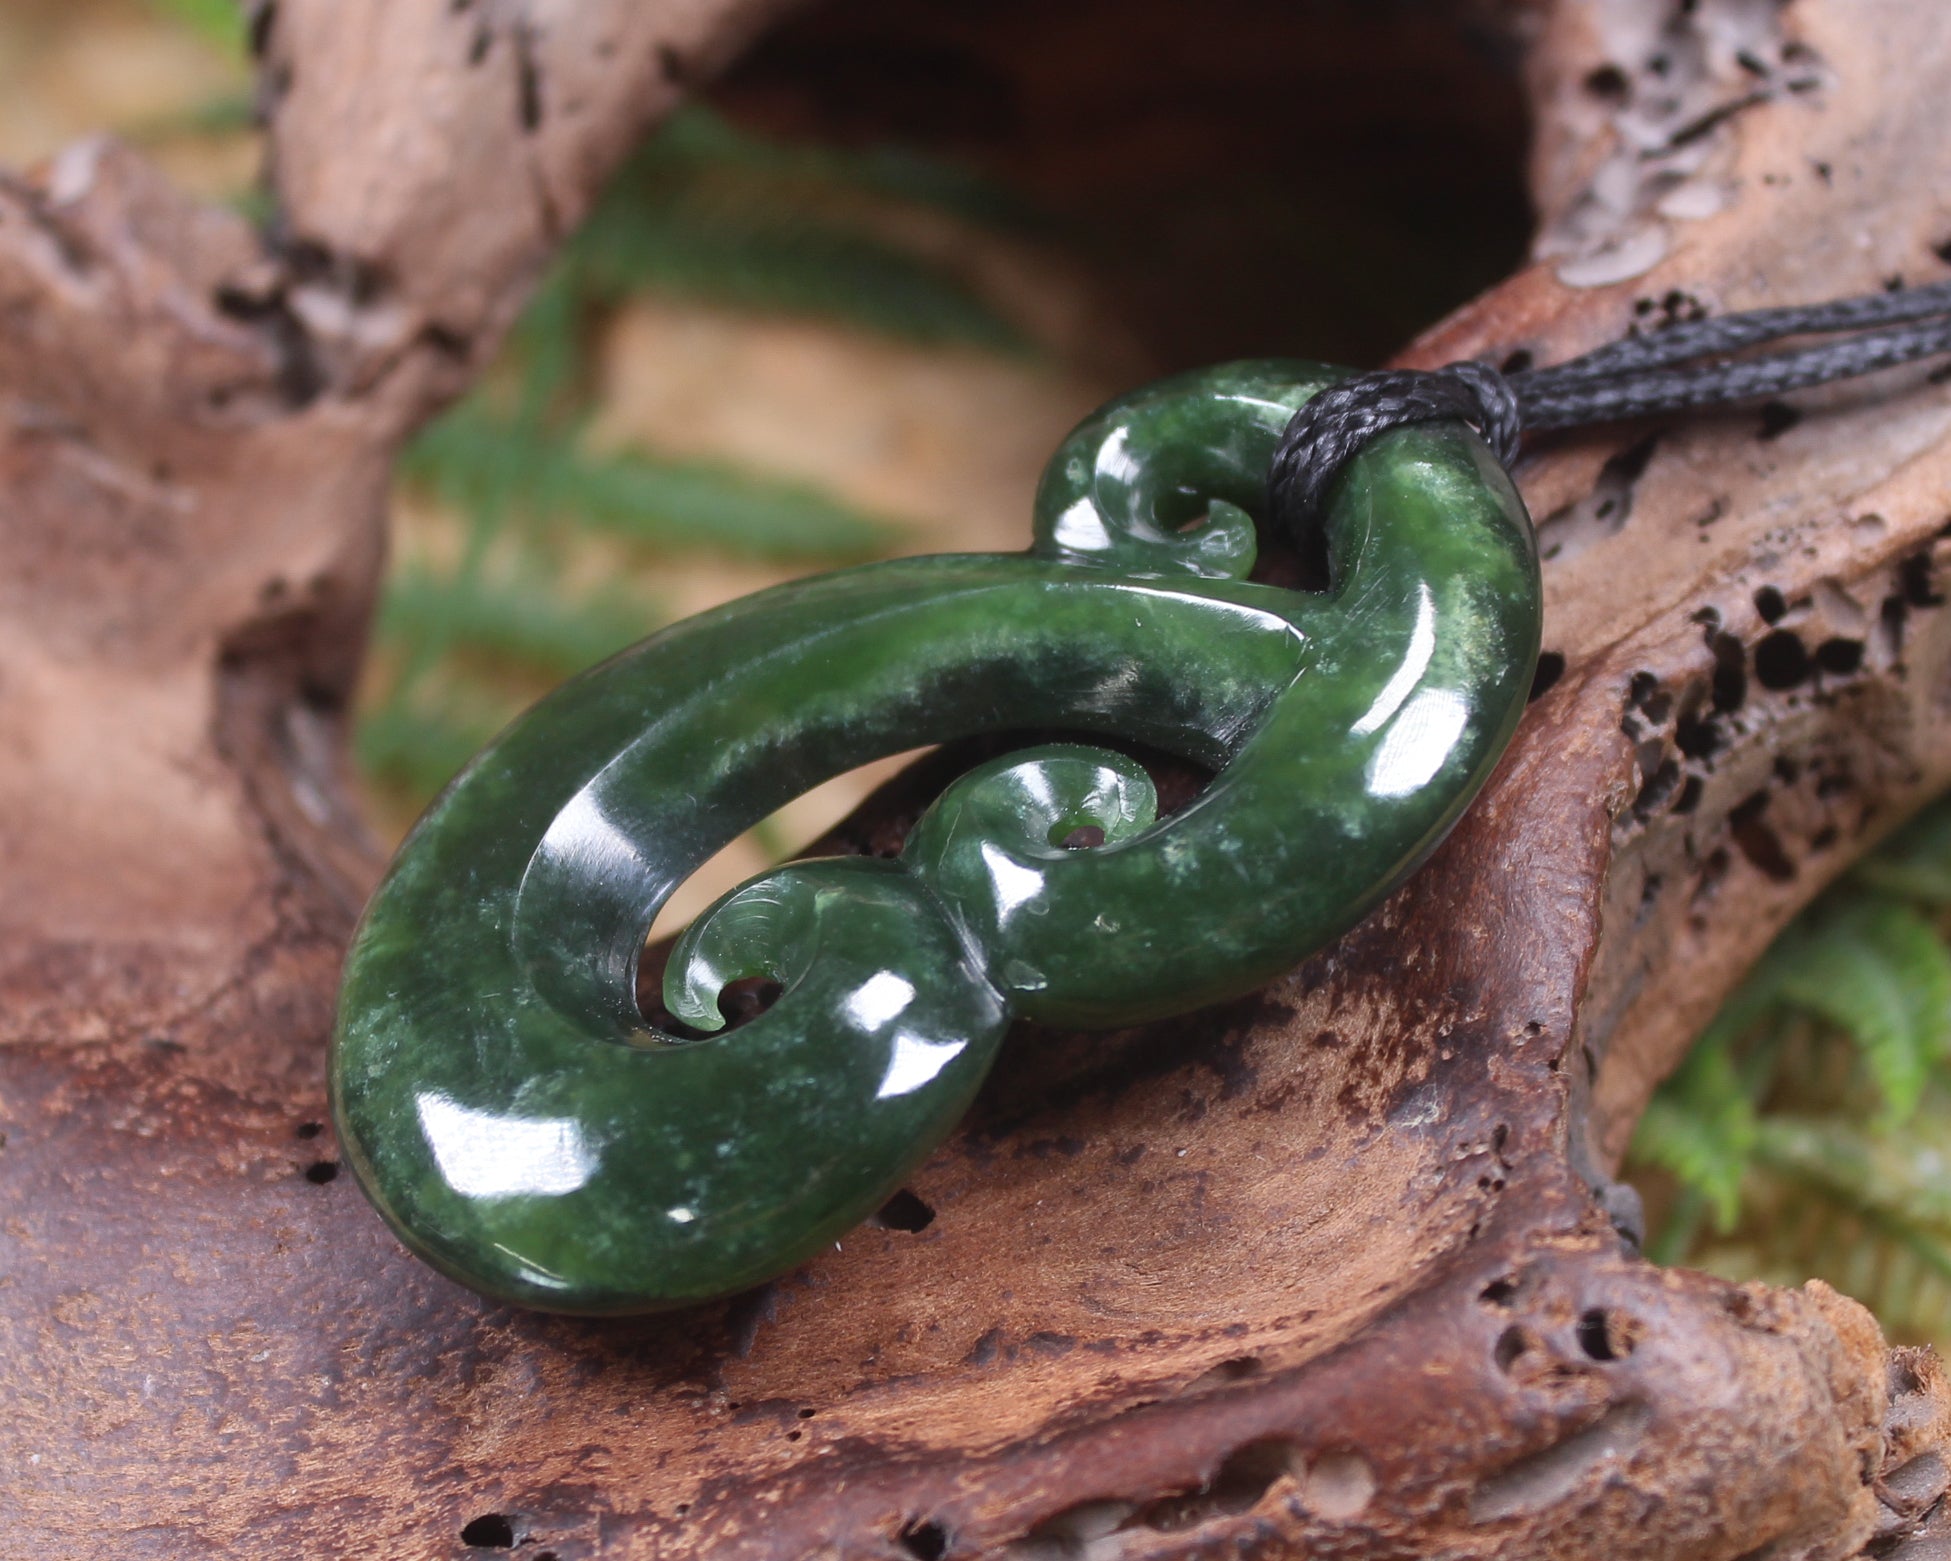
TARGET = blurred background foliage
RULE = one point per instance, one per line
(1806, 1132)
(704, 215)
(766, 355)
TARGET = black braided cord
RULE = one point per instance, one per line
(1684, 367)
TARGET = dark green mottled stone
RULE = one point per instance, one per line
(521, 1126)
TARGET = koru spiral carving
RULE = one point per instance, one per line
(520, 1124)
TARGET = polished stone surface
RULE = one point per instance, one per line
(520, 1125)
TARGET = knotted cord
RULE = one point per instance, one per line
(1682, 367)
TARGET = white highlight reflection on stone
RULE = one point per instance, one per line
(1015, 884)
(882, 997)
(1081, 529)
(915, 1062)
(484, 1154)
(1418, 743)
(1422, 645)
(584, 835)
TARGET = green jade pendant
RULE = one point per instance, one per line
(521, 1125)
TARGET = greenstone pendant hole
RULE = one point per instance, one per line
(503, 1099)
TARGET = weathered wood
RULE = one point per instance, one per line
(1336, 1271)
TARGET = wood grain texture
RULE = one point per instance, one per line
(1335, 1271)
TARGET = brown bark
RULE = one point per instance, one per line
(1333, 1271)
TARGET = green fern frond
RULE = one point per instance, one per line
(518, 623)
(707, 212)
(546, 347)
(416, 745)
(1866, 1211)
(1899, 1191)
(1898, 1174)
(696, 141)
(1915, 863)
(713, 247)
(226, 114)
(1881, 973)
(1807, 1119)
(218, 22)
(1701, 1130)
(483, 465)
(703, 504)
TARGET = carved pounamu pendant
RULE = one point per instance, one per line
(522, 1127)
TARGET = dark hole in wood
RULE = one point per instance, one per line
(1839, 657)
(1781, 661)
(1618, 477)
(490, 1531)
(1769, 603)
(319, 1172)
(1915, 575)
(1695, 737)
(1237, 1487)
(1777, 418)
(310, 1129)
(1604, 1335)
(928, 1540)
(1232, 1370)
(1757, 841)
(528, 80)
(1551, 667)
(1654, 702)
(905, 1211)
(1511, 1343)
(1730, 683)
(1658, 786)
(1891, 616)
(1610, 82)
